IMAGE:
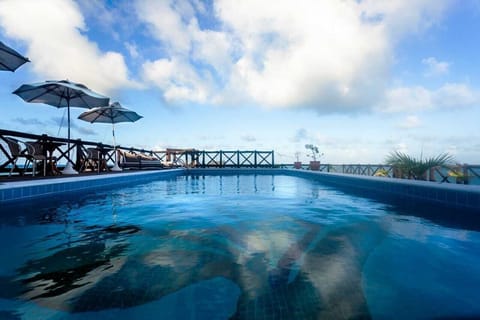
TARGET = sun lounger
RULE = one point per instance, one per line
(133, 160)
(148, 161)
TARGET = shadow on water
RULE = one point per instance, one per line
(64, 270)
(97, 274)
(318, 275)
(10, 315)
(69, 270)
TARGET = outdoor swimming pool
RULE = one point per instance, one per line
(235, 246)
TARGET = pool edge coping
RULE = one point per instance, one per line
(35, 189)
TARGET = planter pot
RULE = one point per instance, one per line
(297, 165)
(397, 173)
(315, 165)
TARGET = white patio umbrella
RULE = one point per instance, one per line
(62, 94)
(113, 113)
(10, 59)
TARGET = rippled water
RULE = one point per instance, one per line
(241, 247)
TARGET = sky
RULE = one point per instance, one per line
(357, 78)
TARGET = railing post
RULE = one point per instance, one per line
(44, 140)
(273, 159)
(255, 158)
(238, 158)
(78, 154)
(221, 156)
(465, 173)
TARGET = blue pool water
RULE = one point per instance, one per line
(235, 247)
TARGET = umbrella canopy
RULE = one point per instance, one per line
(113, 113)
(61, 94)
(10, 59)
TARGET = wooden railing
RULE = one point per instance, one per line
(78, 153)
(235, 159)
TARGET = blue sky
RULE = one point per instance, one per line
(358, 78)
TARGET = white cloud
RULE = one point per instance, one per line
(174, 24)
(401, 18)
(449, 96)
(52, 30)
(455, 95)
(331, 56)
(177, 79)
(435, 67)
(401, 147)
(132, 50)
(169, 22)
(410, 122)
(312, 53)
(407, 99)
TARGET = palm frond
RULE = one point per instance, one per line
(416, 167)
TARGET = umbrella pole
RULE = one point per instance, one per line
(69, 168)
(113, 133)
(115, 165)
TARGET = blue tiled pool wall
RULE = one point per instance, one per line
(396, 190)
(453, 196)
(392, 190)
(73, 185)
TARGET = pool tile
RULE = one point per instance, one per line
(461, 199)
(473, 200)
(451, 197)
(17, 193)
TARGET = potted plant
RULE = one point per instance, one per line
(405, 166)
(314, 153)
(297, 164)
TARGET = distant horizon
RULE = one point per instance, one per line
(359, 79)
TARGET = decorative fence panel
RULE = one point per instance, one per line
(233, 159)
